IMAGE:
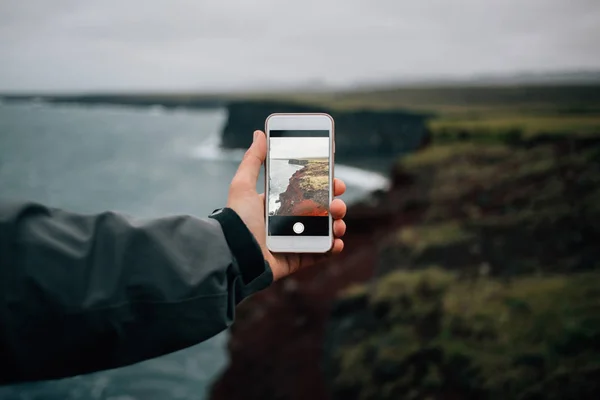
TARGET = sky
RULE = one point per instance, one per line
(194, 45)
(299, 147)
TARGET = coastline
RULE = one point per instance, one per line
(364, 174)
(474, 211)
(307, 192)
(367, 171)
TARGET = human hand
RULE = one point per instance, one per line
(250, 206)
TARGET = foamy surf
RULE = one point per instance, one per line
(367, 180)
(211, 149)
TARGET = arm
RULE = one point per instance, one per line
(81, 293)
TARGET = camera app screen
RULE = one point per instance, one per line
(298, 183)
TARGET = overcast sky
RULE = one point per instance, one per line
(299, 147)
(206, 44)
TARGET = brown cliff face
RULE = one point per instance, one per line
(307, 194)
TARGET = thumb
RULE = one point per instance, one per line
(249, 169)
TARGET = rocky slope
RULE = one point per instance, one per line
(492, 292)
(431, 334)
(483, 263)
(307, 193)
(358, 132)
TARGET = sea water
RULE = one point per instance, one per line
(280, 174)
(145, 162)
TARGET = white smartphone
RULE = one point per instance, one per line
(299, 182)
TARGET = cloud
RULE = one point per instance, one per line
(191, 45)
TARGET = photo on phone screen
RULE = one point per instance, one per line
(298, 203)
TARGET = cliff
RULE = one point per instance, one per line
(475, 276)
(298, 162)
(492, 292)
(308, 191)
(431, 334)
(358, 132)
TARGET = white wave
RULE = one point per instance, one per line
(367, 180)
(211, 149)
(157, 109)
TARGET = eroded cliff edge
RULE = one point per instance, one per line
(307, 193)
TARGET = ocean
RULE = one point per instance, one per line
(281, 172)
(145, 162)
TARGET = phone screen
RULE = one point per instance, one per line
(298, 183)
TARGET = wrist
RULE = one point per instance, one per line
(243, 246)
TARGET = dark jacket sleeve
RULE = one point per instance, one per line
(81, 293)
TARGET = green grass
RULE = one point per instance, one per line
(515, 209)
(316, 175)
(526, 125)
(421, 237)
(458, 99)
(450, 155)
(480, 338)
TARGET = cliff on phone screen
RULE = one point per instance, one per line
(306, 191)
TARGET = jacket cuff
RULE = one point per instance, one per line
(254, 269)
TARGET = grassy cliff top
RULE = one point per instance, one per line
(316, 175)
(523, 209)
(530, 110)
(432, 333)
(494, 289)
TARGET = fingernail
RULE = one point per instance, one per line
(256, 133)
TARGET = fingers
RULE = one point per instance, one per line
(249, 169)
(339, 228)
(338, 209)
(338, 246)
(339, 187)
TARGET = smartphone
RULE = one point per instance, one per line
(299, 182)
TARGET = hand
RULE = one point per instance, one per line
(250, 206)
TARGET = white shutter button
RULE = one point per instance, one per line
(298, 227)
